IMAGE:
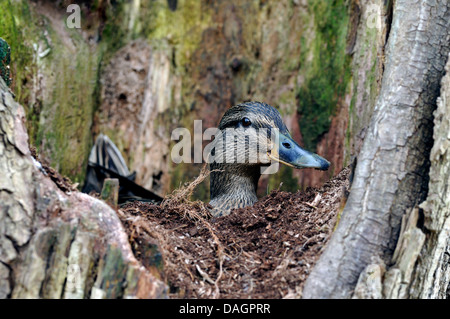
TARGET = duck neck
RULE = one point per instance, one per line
(233, 186)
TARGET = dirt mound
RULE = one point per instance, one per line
(263, 251)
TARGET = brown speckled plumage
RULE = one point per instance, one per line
(234, 186)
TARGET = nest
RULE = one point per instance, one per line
(263, 251)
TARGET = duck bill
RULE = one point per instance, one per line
(288, 152)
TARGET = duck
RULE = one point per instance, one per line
(233, 179)
(233, 184)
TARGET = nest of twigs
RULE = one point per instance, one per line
(263, 251)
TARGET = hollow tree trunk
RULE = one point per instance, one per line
(391, 176)
(54, 242)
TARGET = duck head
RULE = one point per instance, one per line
(251, 136)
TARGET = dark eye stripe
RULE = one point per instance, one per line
(229, 124)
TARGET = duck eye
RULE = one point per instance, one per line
(246, 122)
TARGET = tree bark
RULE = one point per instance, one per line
(421, 259)
(391, 176)
(431, 276)
(56, 242)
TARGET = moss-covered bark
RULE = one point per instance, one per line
(16, 30)
(325, 67)
(54, 77)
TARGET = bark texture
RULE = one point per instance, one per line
(391, 176)
(420, 264)
(57, 242)
(431, 278)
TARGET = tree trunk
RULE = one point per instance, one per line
(420, 264)
(56, 242)
(391, 176)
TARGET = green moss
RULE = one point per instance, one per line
(114, 35)
(113, 272)
(182, 27)
(325, 67)
(365, 88)
(63, 134)
(59, 115)
(16, 28)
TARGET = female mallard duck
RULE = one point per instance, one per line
(234, 171)
(234, 183)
